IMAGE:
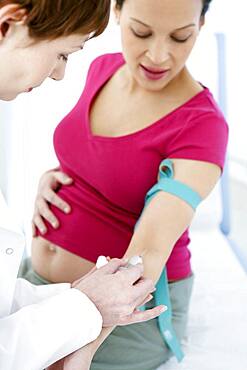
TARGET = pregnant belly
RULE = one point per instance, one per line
(55, 264)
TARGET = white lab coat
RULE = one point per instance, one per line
(39, 324)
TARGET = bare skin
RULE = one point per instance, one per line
(55, 264)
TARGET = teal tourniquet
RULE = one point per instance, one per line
(167, 184)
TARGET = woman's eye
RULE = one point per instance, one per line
(141, 35)
(181, 40)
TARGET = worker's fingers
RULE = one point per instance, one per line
(133, 273)
(141, 316)
(141, 290)
(146, 300)
(113, 266)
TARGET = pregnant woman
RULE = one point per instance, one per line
(138, 107)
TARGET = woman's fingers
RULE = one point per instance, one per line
(44, 211)
(33, 230)
(39, 223)
(49, 183)
(50, 196)
(62, 178)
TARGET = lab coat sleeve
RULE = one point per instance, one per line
(39, 334)
(27, 293)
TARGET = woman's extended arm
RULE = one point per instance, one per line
(162, 223)
(166, 217)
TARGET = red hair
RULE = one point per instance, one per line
(50, 19)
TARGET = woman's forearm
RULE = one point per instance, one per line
(161, 224)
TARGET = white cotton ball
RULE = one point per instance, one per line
(101, 261)
(135, 260)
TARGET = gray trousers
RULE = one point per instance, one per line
(137, 346)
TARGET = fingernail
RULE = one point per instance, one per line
(163, 308)
(55, 225)
(43, 231)
(66, 209)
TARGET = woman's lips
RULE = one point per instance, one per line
(153, 73)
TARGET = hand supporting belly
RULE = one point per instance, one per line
(55, 264)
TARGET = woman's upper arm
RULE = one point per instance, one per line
(199, 175)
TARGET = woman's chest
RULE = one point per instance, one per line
(116, 113)
(120, 170)
(115, 151)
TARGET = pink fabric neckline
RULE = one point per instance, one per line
(108, 76)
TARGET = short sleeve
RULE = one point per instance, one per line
(204, 137)
(102, 65)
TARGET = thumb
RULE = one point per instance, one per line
(63, 178)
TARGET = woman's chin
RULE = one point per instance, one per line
(8, 96)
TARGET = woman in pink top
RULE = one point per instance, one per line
(137, 108)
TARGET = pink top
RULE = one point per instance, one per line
(113, 174)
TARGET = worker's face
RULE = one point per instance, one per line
(26, 63)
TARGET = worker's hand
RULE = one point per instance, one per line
(117, 293)
(49, 184)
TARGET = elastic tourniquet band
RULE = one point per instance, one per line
(167, 184)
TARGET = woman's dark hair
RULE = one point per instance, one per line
(205, 7)
(50, 19)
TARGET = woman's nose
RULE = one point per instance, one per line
(158, 53)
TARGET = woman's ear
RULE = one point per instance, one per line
(202, 21)
(116, 12)
(10, 14)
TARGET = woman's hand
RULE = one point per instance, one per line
(47, 188)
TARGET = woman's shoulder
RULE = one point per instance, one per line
(203, 108)
(202, 131)
(205, 102)
(106, 62)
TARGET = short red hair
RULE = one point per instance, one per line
(50, 19)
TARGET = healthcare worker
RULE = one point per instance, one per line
(39, 325)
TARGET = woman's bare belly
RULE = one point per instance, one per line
(55, 264)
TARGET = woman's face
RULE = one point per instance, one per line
(25, 64)
(157, 38)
